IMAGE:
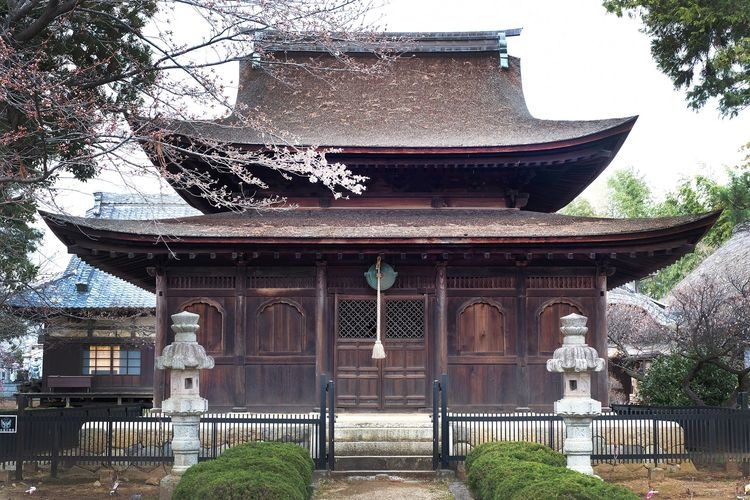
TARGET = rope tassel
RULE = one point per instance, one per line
(378, 352)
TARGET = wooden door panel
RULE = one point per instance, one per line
(397, 382)
(405, 374)
(357, 375)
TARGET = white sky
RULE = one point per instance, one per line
(578, 62)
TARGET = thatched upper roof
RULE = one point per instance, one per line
(439, 95)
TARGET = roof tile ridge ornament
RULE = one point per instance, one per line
(502, 43)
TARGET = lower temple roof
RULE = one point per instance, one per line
(630, 248)
(352, 224)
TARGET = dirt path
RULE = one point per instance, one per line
(702, 486)
(384, 487)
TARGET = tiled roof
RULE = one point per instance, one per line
(623, 295)
(450, 99)
(138, 206)
(82, 286)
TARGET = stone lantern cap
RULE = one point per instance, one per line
(185, 353)
(575, 355)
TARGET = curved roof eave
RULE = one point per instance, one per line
(206, 132)
(239, 227)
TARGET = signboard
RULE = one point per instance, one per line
(8, 424)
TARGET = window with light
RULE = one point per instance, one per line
(111, 360)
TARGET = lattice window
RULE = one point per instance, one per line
(404, 319)
(201, 282)
(357, 319)
(557, 282)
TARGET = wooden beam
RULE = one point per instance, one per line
(240, 328)
(321, 344)
(162, 328)
(441, 326)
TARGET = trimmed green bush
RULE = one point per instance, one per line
(518, 471)
(495, 476)
(520, 450)
(263, 471)
(290, 453)
(573, 486)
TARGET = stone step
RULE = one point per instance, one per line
(366, 464)
(393, 475)
(383, 448)
(343, 434)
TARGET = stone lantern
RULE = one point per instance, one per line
(184, 357)
(576, 361)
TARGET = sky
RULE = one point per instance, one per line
(578, 63)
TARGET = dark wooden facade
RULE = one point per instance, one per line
(490, 328)
(459, 197)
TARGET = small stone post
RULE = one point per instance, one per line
(184, 357)
(576, 361)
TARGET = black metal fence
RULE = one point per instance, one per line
(628, 434)
(133, 435)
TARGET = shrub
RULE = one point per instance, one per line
(662, 383)
(573, 485)
(292, 454)
(268, 471)
(519, 470)
(496, 476)
(520, 450)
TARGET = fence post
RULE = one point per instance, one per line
(444, 422)
(331, 419)
(655, 440)
(214, 438)
(20, 434)
(552, 424)
(109, 437)
(742, 400)
(321, 459)
(54, 459)
(435, 425)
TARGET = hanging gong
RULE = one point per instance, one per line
(388, 276)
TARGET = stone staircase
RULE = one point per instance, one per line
(370, 443)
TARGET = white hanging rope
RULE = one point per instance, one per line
(377, 350)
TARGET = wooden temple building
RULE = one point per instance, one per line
(463, 186)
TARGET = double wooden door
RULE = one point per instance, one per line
(398, 382)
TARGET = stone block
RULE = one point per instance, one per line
(124, 436)
(641, 432)
(656, 474)
(154, 433)
(167, 486)
(155, 477)
(93, 438)
(107, 476)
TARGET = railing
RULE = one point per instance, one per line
(630, 434)
(128, 434)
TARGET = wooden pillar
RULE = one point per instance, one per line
(441, 318)
(162, 328)
(522, 341)
(601, 379)
(321, 332)
(240, 325)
